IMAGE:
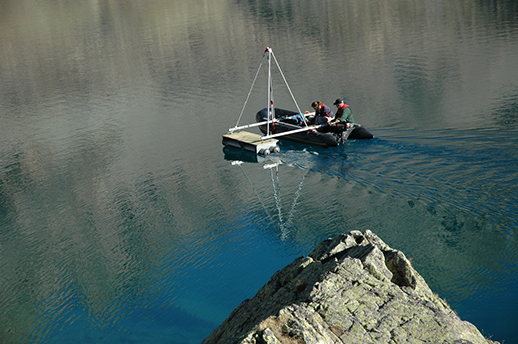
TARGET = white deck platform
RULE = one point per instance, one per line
(250, 142)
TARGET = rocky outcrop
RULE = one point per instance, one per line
(351, 289)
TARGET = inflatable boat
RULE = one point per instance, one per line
(290, 125)
(316, 135)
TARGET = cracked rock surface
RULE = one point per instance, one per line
(350, 289)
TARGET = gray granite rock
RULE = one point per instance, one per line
(350, 289)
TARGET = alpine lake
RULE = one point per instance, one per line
(123, 218)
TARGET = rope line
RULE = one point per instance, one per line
(277, 195)
(255, 191)
(297, 195)
(288, 87)
(251, 88)
(269, 52)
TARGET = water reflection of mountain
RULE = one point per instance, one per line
(154, 43)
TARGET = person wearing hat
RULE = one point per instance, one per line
(343, 114)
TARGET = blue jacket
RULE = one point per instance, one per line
(325, 111)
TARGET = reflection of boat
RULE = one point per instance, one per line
(323, 136)
(236, 154)
(289, 125)
(272, 164)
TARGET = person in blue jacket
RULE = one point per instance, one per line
(323, 113)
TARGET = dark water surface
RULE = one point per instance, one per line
(123, 219)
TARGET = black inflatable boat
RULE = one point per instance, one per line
(323, 136)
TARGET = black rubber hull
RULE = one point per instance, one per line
(315, 138)
(360, 133)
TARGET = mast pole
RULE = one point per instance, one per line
(269, 107)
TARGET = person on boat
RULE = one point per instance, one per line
(344, 113)
(323, 113)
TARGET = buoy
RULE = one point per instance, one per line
(275, 149)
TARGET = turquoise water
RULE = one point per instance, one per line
(124, 219)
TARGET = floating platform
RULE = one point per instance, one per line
(250, 142)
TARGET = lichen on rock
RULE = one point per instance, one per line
(350, 289)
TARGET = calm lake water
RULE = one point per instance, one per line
(124, 220)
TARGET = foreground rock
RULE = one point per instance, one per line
(351, 289)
